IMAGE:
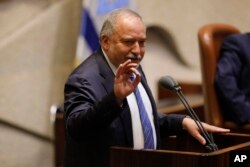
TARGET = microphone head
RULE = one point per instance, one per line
(169, 83)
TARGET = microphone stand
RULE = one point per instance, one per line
(211, 146)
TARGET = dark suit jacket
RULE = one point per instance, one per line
(94, 121)
(233, 78)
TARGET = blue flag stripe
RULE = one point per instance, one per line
(88, 30)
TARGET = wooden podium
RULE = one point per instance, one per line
(182, 151)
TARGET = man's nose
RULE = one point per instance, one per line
(136, 48)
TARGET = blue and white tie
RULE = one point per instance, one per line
(145, 122)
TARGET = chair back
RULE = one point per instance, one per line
(210, 39)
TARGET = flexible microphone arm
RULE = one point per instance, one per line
(169, 83)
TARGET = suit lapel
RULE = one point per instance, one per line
(107, 79)
(106, 74)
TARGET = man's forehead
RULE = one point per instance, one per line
(129, 37)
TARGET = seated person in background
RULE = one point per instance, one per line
(108, 100)
(233, 78)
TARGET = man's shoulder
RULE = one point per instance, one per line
(85, 66)
(89, 67)
(238, 37)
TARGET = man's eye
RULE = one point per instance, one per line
(128, 42)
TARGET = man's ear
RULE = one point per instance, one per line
(105, 42)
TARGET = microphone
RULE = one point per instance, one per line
(169, 83)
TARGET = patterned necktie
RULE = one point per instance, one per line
(146, 126)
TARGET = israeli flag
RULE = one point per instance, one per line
(92, 17)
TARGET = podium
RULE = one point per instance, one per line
(180, 151)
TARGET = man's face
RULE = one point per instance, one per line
(127, 41)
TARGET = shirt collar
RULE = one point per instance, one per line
(113, 68)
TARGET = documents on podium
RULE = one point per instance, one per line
(179, 151)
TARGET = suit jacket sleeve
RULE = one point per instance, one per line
(88, 107)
